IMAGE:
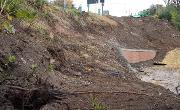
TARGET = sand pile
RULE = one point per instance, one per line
(172, 59)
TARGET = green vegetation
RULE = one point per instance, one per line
(11, 59)
(153, 10)
(25, 14)
(9, 6)
(73, 11)
(40, 3)
(19, 9)
(96, 105)
(50, 67)
(165, 14)
(170, 13)
(34, 67)
(8, 27)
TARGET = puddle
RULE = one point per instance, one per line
(166, 77)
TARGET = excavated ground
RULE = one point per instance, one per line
(87, 64)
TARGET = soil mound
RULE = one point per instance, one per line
(172, 58)
(79, 56)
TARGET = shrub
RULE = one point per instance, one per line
(8, 27)
(173, 11)
(10, 9)
(9, 6)
(96, 105)
(40, 3)
(73, 11)
(178, 25)
(172, 14)
(50, 67)
(25, 14)
(165, 14)
(155, 9)
(152, 10)
(34, 67)
(177, 21)
(11, 59)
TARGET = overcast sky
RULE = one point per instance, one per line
(119, 7)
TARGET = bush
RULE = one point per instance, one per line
(25, 14)
(178, 25)
(8, 27)
(9, 6)
(16, 8)
(11, 59)
(172, 14)
(10, 9)
(165, 14)
(40, 3)
(177, 21)
(96, 105)
(152, 10)
(73, 11)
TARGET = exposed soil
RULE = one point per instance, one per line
(86, 63)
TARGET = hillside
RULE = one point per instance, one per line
(67, 61)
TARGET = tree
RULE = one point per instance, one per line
(176, 3)
(172, 2)
(167, 2)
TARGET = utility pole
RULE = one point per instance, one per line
(102, 8)
(65, 3)
(88, 7)
(102, 2)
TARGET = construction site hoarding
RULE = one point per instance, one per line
(102, 1)
(92, 1)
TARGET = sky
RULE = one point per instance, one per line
(119, 7)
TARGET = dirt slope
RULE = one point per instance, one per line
(84, 52)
